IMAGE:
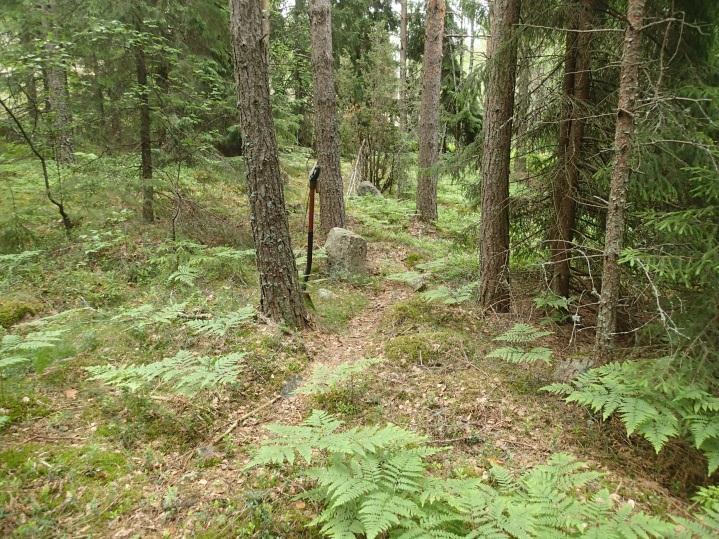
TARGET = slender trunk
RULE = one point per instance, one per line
(266, 30)
(163, 83)
(280, 295)
(148, 210)
(628, 92)
(98, 91)
(332, 204)
(498, 110)
(569, 151)
(471, 42)
(403, 66)
(522, 116)
(429, 111)
(32, 97)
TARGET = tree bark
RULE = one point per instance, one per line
(522, 116)
(280, 295)
(569, 151)
(628, 93)
(498, 110)
(327, 137)
(148, 205)
(429, 111)
(57, 97)
(403, 66)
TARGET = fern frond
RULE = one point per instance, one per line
(522, 333)
(511, 354)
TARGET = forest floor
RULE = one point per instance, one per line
(81, 459)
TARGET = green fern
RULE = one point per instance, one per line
(16, 350)
(522, 335)
(185, 274)
(184, 373)
(148, 314)
(653, 399)
(511, 354)
(324, 379)
(218, 327)
(450, 296)
(374, 481)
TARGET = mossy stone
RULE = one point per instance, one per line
(13, 310)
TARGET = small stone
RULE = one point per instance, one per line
(325, 294)
(368, 189)
(346, 252)
(571, 368)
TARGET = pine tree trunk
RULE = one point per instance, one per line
(569, 152)
(429, 111)
(471, 42)
(57, 94)
(496, 149)
(403, 66)
(628, 93)
(148, 205)
(327, 138)
(280, 295)
(522, 116)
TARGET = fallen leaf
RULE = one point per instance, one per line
(71, 394)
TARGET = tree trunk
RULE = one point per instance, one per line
(403, 66)
(498, 110)
(429, 111)
(148, 207)
(280, 295)
(266, 31)
(471, 42)
(522, 116)
(569, 151)
(628, 92)
(57, 94)
(327, 137)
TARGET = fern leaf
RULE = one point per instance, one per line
(636, 411)
(511, 354)
(522, 333)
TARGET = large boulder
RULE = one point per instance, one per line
(346, 252)
(368, 189)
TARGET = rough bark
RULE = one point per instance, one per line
(496, 149)
(522, 116)
(429, 111)
(57, 99)
(280, 295)
(403, 66)
(569, 151)
(628, 92)
(471, 42)
(332, 205)
(148, 205)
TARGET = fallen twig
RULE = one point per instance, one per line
(249, 414)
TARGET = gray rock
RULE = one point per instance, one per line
(346, 252)
(325, 294)
(367, 188)
(571, 368)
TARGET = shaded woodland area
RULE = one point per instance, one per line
(359, 268)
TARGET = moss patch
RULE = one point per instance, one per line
(429, 349)
(13, 310)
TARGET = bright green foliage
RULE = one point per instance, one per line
(185, 275)
(653, 398)
(16, 349)
(450, 296)
(522, 335)
(375, 480)
(512, 354)
(148, 315)
(326, 378)
(184, 373)
(218, 327)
